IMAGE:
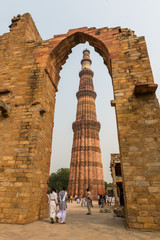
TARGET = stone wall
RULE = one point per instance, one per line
(29, 77)
(25, 140)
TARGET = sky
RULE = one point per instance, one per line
(57, 17)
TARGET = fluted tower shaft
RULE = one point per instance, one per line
(86, 164)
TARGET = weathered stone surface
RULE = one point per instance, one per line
(145, 88)
(118, 212)
(30, 70)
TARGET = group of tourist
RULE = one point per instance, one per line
(105, 199)
(53, 201)
(61, 200)
(82, 200)
(72, 198)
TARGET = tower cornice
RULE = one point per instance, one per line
(86, 50)
(86, 72)
(78, 125)
(87, 92)
(86, 59)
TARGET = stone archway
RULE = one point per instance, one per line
(27, 94)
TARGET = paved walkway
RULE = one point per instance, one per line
(98, 226)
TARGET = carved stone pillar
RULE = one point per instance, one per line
(114, 185)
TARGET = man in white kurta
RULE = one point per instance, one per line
(89, 199)
(53, 205)
(62, 205)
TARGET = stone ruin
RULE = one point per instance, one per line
(29, 77)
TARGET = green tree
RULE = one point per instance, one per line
(106, 186)
(59, 179)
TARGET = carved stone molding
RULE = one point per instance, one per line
(89, 93)
(78, 125)
(86, 71)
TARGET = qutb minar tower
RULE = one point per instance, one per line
(86, 168)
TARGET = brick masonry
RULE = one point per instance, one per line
(29, 77)
(86, 169)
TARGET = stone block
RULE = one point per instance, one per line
(154, 189)
(132, 219)
(143, 213)
(148, 207)
(151, 226)
(145, 88)
(105, 210)
(142, 201)
(119, 212)
(155, 214)
(145, 219)
(135, 225)
(142, 183)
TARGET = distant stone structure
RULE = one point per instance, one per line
(116, 173)
(29, 77)
(86, 168)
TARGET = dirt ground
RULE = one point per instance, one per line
(97, 226)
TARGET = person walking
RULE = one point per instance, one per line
(53, 201)
(99, 204)
(62, 205)
(113, 200)
(89, 199)
(109, 200)
(71, 198)
(82, 201)
(101, 201)
(104, 200)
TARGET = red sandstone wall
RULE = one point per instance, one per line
(30, 71)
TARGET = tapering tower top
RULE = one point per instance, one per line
(86, 61)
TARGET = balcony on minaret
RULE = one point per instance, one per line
(86, 165)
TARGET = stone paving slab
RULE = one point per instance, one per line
(98, 226)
